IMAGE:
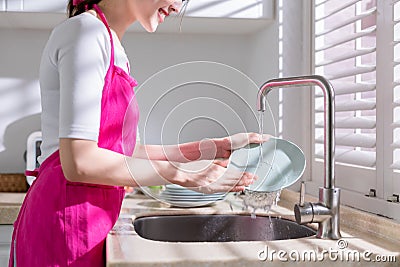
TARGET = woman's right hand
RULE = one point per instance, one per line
(212, 176)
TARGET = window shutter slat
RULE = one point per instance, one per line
(345, 56)
(351, 123)
(352, 105)
(351, 72)
(343, 88)
(354, 157)
(396, 144)
(357, 140)
(396, 103)
(395, 165)
(396, 124)
(346, 22)
(337, 10)
(347, 38)
(396, 82)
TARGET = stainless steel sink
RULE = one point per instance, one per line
(218, 228)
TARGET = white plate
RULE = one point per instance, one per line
(282, 164)
(187, 193)
(163, 195)
(187, 204)
(176, 187)
(180, 198)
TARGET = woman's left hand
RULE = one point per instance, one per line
(226, 145)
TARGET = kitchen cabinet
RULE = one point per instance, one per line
(5, 243)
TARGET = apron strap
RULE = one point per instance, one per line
(104, 20)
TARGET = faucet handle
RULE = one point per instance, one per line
(302, 193)
(303, 212)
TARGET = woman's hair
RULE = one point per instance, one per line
(73, 10)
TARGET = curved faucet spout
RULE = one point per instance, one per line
(329, 115)
(326, 212)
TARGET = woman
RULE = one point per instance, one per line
(85, 162)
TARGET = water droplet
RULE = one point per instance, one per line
(259, 200)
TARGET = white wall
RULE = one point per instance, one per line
(20, 52)
(254, 54)
(262, 65)
(241, 52)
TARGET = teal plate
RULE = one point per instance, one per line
(282, 163)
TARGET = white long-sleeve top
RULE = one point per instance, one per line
(74, 63)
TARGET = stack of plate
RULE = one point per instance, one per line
(182, 197)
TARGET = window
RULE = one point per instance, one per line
(355, 48)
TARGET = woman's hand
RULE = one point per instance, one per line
(226, 145)
(211, 176)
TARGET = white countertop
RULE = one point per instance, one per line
(362, 232)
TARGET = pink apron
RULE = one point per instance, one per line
(64, 223)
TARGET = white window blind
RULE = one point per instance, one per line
(357, 47)
(345, 52)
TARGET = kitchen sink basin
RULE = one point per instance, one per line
(218, 228)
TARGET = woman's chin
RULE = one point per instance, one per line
(151, 27)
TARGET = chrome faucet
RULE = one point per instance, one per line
(326, 211)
